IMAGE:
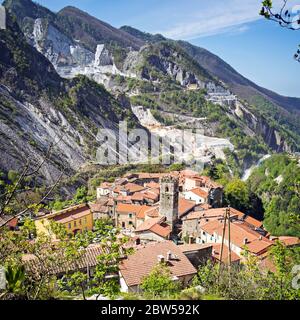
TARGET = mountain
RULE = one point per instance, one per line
(91, 31)
(39, 108)
(90, 75)
(263, 103)
(241, 86)
(144, 36)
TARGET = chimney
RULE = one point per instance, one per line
(160, 259)
(245, 240)
(169, 256)
(260, 237)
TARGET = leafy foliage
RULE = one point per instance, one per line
(276, 181)
(249, 281)
(159, 284)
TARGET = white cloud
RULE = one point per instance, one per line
(217, 16)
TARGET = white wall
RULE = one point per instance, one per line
(124, 287)
(150, 236)
(192, 196)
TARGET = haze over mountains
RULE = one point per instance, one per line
(42, 53)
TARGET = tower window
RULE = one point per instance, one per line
(167, 189)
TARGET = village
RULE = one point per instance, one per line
(174, 218)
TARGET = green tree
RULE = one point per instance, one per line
(81, 195)
(159, 283)
(15, 277)
(237, 194)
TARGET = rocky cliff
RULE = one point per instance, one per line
(39, 109)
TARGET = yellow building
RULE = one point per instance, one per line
(76, 219)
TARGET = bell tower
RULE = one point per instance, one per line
(169, 195)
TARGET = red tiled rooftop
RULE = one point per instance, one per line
(239, 232)
(148, 224)
(184, 206)
(194, 247)
(216, 253)
(200, 192)
(161, 229)
(289, 241)
(141, 263)
(132, 187)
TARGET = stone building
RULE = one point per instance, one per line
(169, 197)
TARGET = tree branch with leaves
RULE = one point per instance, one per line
(286, 17)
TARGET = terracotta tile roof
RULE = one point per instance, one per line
(141, 263)
(68, 217)
(155, 225)
(151, 195)
(203, 206)
(96, 207)
(185, 206)
(143, 211)
(117, 189)
(289, 241)
(61, 266)
(103, 200)
(11, 224)
(69, 214)
(106, 185)
(253, 222)
(234, 213)
(162, 229)
(258, 246)
(128, 208)
(216, 253)
(188, 173)
(138, 196)
(239, 232)
(153, 212)
(205, 181)
(148, 224)
(132, 187)
(138, 210)
(153, 185)
(266, 262)
(127, 199)
(145, 175)
(200, 192)
(203, 214)
(185, 248)
(121, 181)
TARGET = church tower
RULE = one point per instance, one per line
(169, 194)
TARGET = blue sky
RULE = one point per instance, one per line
(259, 49)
